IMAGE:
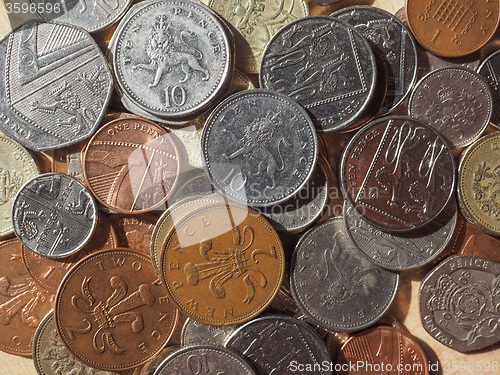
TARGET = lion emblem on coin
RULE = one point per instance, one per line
(165, 54)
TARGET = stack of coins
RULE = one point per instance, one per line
(164, 213)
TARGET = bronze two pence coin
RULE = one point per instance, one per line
(398, 172)
(131, 165)
(222, 264)
(452, 28)
(23, 303)
(111, 311)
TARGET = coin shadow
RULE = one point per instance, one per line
(401, 305)
(432, 357)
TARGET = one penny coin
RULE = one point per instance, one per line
(131, 165)
(111, 311)
(223, 264)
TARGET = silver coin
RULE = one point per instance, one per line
(334, 284)
(205, 359)
(259, 147)
(459, 302)
(51, 357)
(55, 85)
(172, 58)
(392, 43)
(490, 70)
(199, 184)
(195, 333)
(325, 65)
(304, 208)
(91, 15)
(278, 344)
(456, 102)
(54, 215)
(402, 251)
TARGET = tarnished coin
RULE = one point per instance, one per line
(111, 311)
(259, 147)
(458, 302)
(490, 70)
(50, 357)
(55, 85)
(382, 350)
(222, 264)
(16, 167)
(89, 15)
(452, 28)
(456, 102)
(195, 333)
(402, 251)
(398, 172)
(49, 272)
(334, 284)
(279, 344)
(306, 207)
(172, 58)
(325, 65)
(477, 180)
(134, 231)
(23, 303)
(54, 215)
(205, 359)
(427, 62)
(255, 25)
(131, 165)
(199, 184)
(392, 43)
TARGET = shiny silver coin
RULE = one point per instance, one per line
(54, 87)
(205, 360)
(392, 43)
(195, 333)
(459, 303)
(259, 147)
(91, 15)
(490, 70)
(325, 65)
(172, 58)
(402, 251)
(54, 215)
(456, 102)
(334, 284)
(277, 344)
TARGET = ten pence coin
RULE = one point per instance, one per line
(112, 312)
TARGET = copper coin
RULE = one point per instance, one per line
(131, 165)
(134, 231)
(49, 272)
(23, 303)
(398, 172)
(382, 350)
(452, 28)
(111, 311)
(223, 264)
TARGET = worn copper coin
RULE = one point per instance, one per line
(477, 180)
(49, 272)
(205, 359)
(454, 101)
(382, 350)
(111, 311)
(490, 70)
(23, 303)
(134, 231)
(398, 172)
(50, 357)
(131, 165)
(459, 300)
(54, 215)
(16, 167)
(278, 344)
(452, 27)
(222, 264)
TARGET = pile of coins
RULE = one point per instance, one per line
(172, 218)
